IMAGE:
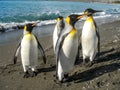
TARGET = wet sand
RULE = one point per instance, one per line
(103, 75)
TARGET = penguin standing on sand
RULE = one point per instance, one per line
(67, 47)
(90, 38)
(29, 51)
(58, 29)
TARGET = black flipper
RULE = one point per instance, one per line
(16, 53)
(58, 47)
(98, 35)
(41, 50)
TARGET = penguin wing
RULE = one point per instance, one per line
(98, 36)
(17, 52)
(41, 50)
(59, 45)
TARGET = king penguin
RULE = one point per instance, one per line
(58, 29)
(29, 51)
(90, 38)
(67, 47)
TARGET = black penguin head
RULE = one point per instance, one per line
(72, 19)
(90, 11)
(29, 27)
(60, 18)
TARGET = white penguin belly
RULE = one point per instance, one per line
(89, 40)
(68, 53)
(29, 51)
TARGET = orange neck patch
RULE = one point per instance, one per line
(90, 19)
(73, 33)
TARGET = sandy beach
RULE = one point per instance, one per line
(103, 75)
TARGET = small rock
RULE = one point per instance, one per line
(99, 84)
(44, 73)
(118, 69)
(44, 78)
(6, 86)
(108, 84)
(83, 88)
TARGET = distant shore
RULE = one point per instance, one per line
(102, 1)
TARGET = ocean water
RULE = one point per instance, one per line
(14, 14)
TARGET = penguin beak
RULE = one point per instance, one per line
(95, 11)
(34, 24)
(86, 13)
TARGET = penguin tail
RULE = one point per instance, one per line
(44, 59)
(42, 53)
(15, 60)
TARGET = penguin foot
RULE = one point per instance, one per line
(84, 63)
(62, 81)
(90, 64)
(34, 73)
(65, 79)
(26, 74)
(65, 75)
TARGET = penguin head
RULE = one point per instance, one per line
(60, 23)
(72, 19)
(29, 27)
(90, 11)
(59, 18)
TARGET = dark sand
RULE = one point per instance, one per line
(103, 75)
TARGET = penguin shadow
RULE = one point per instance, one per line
(79, 58)
(78, 61)
(93, 73)
(107, 56)
(98, 71)
(98, 58)
(47, 69)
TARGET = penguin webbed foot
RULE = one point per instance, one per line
(65, 79)
(90, 63)
(34, 73)
(26, 74)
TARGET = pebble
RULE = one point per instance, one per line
(44, 78)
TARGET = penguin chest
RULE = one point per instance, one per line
(29, 51)
(89, 38)
(68, 53)
(88, 29)
(70, 45)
